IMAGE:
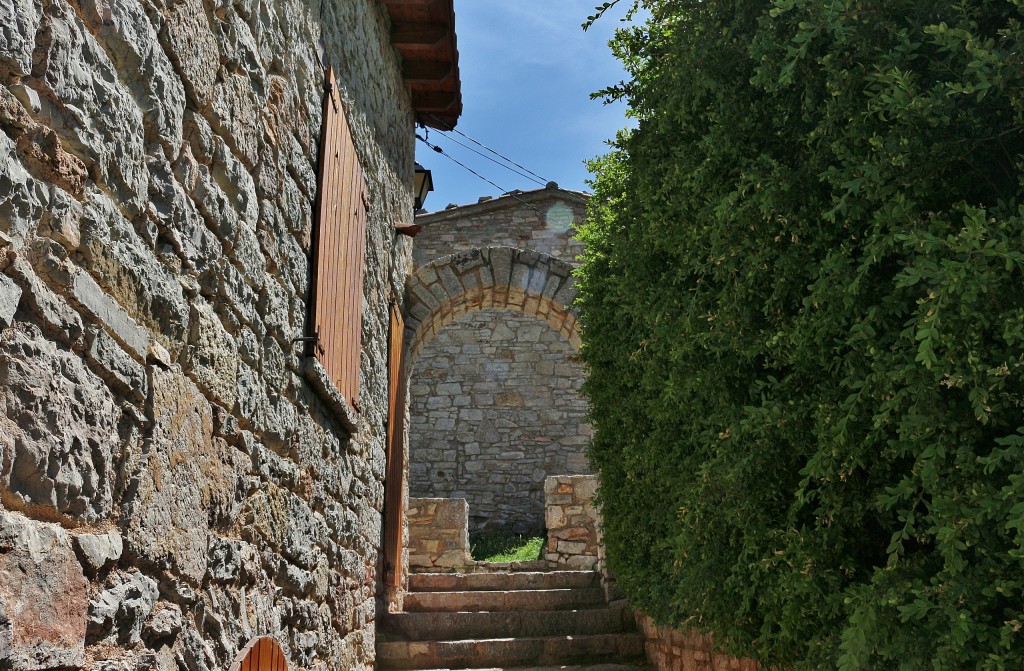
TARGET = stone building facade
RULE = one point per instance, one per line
(171, 485)
(495, 400)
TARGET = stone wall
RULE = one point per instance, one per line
(573, 521)
(495, 408)
(171, 485)
(438, 535)
(670, 649)
(495, 402)
(541, 220)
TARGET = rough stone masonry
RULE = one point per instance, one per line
(495, 395)
(170, 485)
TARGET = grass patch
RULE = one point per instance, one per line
(504, 548)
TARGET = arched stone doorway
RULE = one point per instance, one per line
(495, 403)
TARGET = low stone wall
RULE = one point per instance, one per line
(438, 535)
(675, 650)
(572, 521)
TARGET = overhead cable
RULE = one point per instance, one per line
(441, 151)
(453, 129)
(495, 161)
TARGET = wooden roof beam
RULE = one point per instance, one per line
(418, 34)
(433, 101)
(426, 71)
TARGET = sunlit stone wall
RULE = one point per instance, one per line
(495, 400)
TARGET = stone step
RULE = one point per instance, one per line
(538, 599)
(511, 652)
(465, 582)
(464, 625)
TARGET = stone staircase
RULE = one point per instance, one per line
(513, 619)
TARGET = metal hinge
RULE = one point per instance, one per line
(313, 340)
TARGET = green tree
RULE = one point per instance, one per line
(803, 314)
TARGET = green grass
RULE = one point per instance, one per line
(505, 548)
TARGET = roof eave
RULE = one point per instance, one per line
(423, 32)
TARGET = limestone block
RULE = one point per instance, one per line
(98, 119)
(105, 310)
(14, 115)
(53, 312)
(59, 428)
(235, 115)
(571, 548)
(62, 220)
(177, 218)
(98, 550)
(188, 483)
(230, 285)
(554, 517)
(190, 44)
(296, 201)
(118, 613)
(165, 621)
(43, 597)
(115, 366)
(132, 42)
(41, 150)
(452, 559)
(131, 274)
(279, 519)
(10, 297)
(212, 359)
(273, 308)
(253, 404)
(20, 19)
(22, 197)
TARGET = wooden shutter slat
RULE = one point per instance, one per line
(336, 190)
(342, 361)
(327, 231)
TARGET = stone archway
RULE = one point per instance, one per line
(491, 277)
(494, 452)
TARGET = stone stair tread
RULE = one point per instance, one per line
(449, 582)
(505, 600)
(513, 652)
(432, 626)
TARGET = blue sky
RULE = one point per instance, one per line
(527, 71)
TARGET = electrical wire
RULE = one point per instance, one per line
(441, 151)
(540, 181)
(453, 129)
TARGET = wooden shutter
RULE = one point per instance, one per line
(339, 243)
(393, 478)
(260, 654)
